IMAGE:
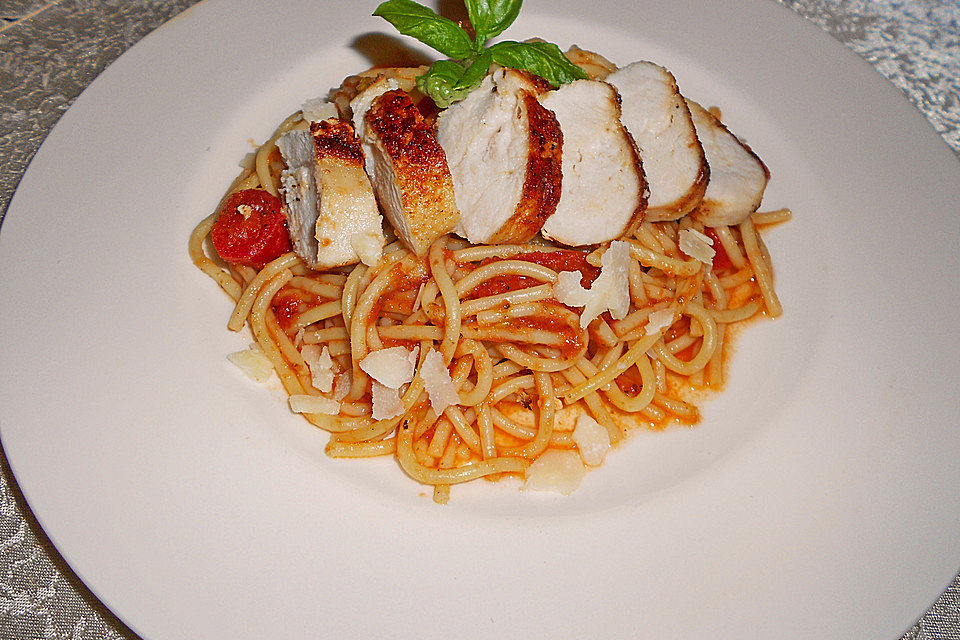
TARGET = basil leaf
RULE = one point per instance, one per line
(540, 58)
(440, 83)
(447, 81)
(414, 19)
(491, 17)
(476, 71)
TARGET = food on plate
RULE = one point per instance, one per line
(504, 152)
(332, 213)
(407, 167)
(738, 177)
(603, 193)
(657, 117)
(593, 64)
(251, 229)
(520, 311)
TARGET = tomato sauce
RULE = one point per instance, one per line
(288, 303)
(502, 284)
(561, 260)
(721, 261)
(571, 340)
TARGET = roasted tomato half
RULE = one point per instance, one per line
(250, 229)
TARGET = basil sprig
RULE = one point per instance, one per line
(450, 80)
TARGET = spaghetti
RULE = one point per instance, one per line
(522, 367)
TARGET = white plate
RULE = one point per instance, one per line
(818, 498)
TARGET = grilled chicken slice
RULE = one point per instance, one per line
(332, 215)
(603, 194)
(737, 176)
(594, 64)
(360, 103)
(407, 167)
(403, 78)
(504, 150)
(657, 117)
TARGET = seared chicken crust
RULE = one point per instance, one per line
(410, 174)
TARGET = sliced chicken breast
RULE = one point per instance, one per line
(332, 215)
(404, 78)
(737, 176)
(360, 103)
(298, 186)
(408, 169)
(657, 117)
(504, 151)
(603, 194)
(596, 66)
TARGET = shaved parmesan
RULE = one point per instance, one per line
(342, 385)
(593, 440)
(300, 403)
(386, 402)
(557, 470)
(437, 382)
(696, 245)
(391, 367)
(658, 321)
(252, 362)
(321, 366)
(318, 109)
(609, 292)
(369, 246)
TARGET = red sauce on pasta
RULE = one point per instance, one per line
(562, 260)
(571, 338)
(288, 303)
(721, 260)
(502, 284)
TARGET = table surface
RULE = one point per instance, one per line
(51, 50)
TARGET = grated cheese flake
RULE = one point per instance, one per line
(252, 362)
(658, 321)
(341, 387)
(438, 383)
(300, 403)
(386, 402)
(592, 438)
(609, 292)
(391, 367)
(321, 366)
(697, 245)
(557, 470)
(317, 109)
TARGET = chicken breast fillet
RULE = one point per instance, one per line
(408, 169)
(402, 78)
(738, 177)
(603, 194)
(657, 117)
(594, 64)
(332, 215)
(504, 150)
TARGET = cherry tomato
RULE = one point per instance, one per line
(250, 229)
(721, 260)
